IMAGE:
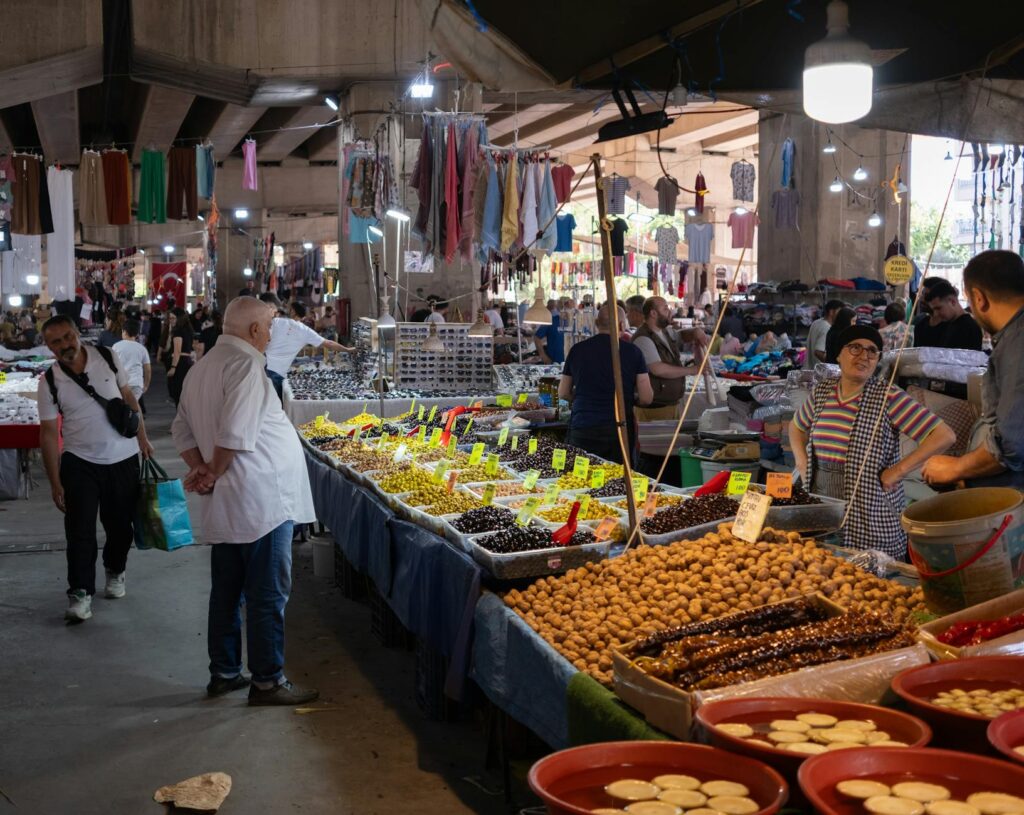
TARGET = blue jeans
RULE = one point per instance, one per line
(278, 381)
(261, 573)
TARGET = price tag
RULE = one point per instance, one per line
(491, 467)
(550, 494)
(489, 491)
(478, 403)
(453, 476)
(531, 448)
(521, 399)
(469, 424)
(382, 440)
(435, 437)
(503, 437)
(439, 470)
(504, 400)
(558, 459)
(605, 529)
(476, 454)
(780, 485)
(452, 445)
(528, 510)
(421, 433)
(515, 442)
(433, 413)
(651, 504)
(584, 504)
(318, 422)
(750, 516)
(640, 485)
(531, 479)
(597, 478)
(581, 467)
(419, 416)
(738, 483)
(400, 450)
(412, 406)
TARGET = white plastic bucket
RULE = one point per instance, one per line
(323, 559)
(709, 469)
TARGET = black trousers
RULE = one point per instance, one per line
(177, 382)
(111, 489)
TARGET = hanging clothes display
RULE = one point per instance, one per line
(742, 225)
(181, 184)
(152, 188)
(510, 214)
(788, 152)
(30, 211)
(565, 224)
(528, 205)
(249, 181)
(116, 187)
(701, 191)
(60, 244)
(667, 238)
(546, 211)
(668, 192)
(453, 219)
(206, 169)
(24, 262)
(619, 230)
(615, 194)
(469, 171)
(92, 196)
(786, 203)
(743, 176)
(561, 176)
(698, 241)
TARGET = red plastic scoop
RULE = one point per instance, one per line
(563, 535)
(453, 414)
(715, 485)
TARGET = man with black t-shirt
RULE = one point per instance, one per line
(956, 328)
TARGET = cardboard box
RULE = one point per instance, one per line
(671, 709)
(1010, 645)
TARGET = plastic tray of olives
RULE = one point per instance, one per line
(535, 563)
(824, 516)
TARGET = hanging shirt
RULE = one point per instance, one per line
(510, 215)
(667, 238)
(743, 225)
(742, 174)
(561, 177)
(668, 191)
(546, 212)
(615, 194)
(358, 228)
(698, 242)
(566, 224)
(788, 149)
(701, 192)
(619, 230)
(528, 206)
(786, 203)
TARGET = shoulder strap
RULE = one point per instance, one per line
(48, 376)
(108, 356)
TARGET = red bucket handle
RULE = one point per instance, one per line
(919, 561)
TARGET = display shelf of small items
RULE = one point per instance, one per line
(464, 365)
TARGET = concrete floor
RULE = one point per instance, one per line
(95, 717)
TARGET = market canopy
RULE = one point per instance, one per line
(930, 57)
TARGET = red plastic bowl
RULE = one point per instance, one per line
(953, 729)
(961, 773)
(761, 710)
(1007, 732)
(571, 782)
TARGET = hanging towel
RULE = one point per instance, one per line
(491, 227)
(249, 181)
(546, 210)
(451, 197)
(528, 206)
(60, 244)
(421, 176)
(510, 215)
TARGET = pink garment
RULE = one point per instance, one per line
(451, 197)
(471, 149)
(249, 154)
(743, 229)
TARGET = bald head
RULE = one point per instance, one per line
(249, 319)
(604, 317)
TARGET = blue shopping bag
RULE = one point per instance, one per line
(161, 517)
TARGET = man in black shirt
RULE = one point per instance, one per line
(927, 327)
(957, 328)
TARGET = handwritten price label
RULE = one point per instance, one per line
(421, 433)
(584, 501)
(531, 479)
(651, 504)
(558, 459)
(491, 468)
(453, 476)
(605, 528)
(489, 491)
(476, 454)
(433, 413)
(435, 437)
(452, 445)
(640, 485)
(318, 422)
(551, 494)
(469, 426)
(419, 416)
(780, 485)
(750, 516)
(531, 448)
(581, 467)
(597, 478)
(738, 483)
(400, 450)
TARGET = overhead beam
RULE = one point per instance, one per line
(48, 77)
(295, 128)
(6, 143)
(691, 128)
(231, 126)
(732, 140)
(526, 116)
(162, 114)
(57, 124)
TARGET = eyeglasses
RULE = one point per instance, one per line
(857, 350)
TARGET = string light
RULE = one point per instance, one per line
(247, 271)
(168, 249)
(32, 279)
(740, 210)
(829, 147)
(875, 219)
(331, 102)
(14, 300)
(860, 174)
(836, 185)
(307, 245)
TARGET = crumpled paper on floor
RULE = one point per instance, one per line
(204, 793)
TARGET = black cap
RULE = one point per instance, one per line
(860, 332)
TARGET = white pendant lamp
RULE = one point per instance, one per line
(838, 77)
(836, 185)
(385, 320)
(481, 328)
(432, 344)
(538, 313)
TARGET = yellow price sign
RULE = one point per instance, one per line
(558, 459)
(597, 478)
(476, 454)
(780, 485)
(318, 422)
(584, 503)
(515, 442)
(528, 510)
(421, 433)
(433, 413)
(531, 448)
(738, 483)
(504, 400)
(469, 425)
(355, 433)
(581, 467)
(488, 497)
(502, 437)
(521, 399)
(531, 479)
(750, 516)
(435, 437)
(641, 483)
(452, 445)
(439, 470)
(3, 378)
(898, 270)
(550, 494)
(491, 468)
(419, 416)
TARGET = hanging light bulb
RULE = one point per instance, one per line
(995, 149)
(432, 344)
(247, 271)
(481, 328)
(838, 78)
(307, 245)
(836, 185)
(376, 231)
(691, 212)
(901, 188)
(385, 321)
(740, 210)
(538, 313)
(829, 147)
(875, 219)
(15, 300)
(860, 174)
(32, 279)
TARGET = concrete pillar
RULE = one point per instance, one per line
(833, 239)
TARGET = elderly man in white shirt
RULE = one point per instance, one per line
(248, 468)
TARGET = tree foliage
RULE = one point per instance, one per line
(923, 223)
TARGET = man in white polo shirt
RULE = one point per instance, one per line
(99, 468)
(289, 336)
(135, 358)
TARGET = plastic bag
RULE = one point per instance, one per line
(161, 517)
(872, 560)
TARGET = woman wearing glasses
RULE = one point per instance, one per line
(834, 438)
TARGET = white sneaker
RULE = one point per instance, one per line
(115, 586)
(79, 607)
